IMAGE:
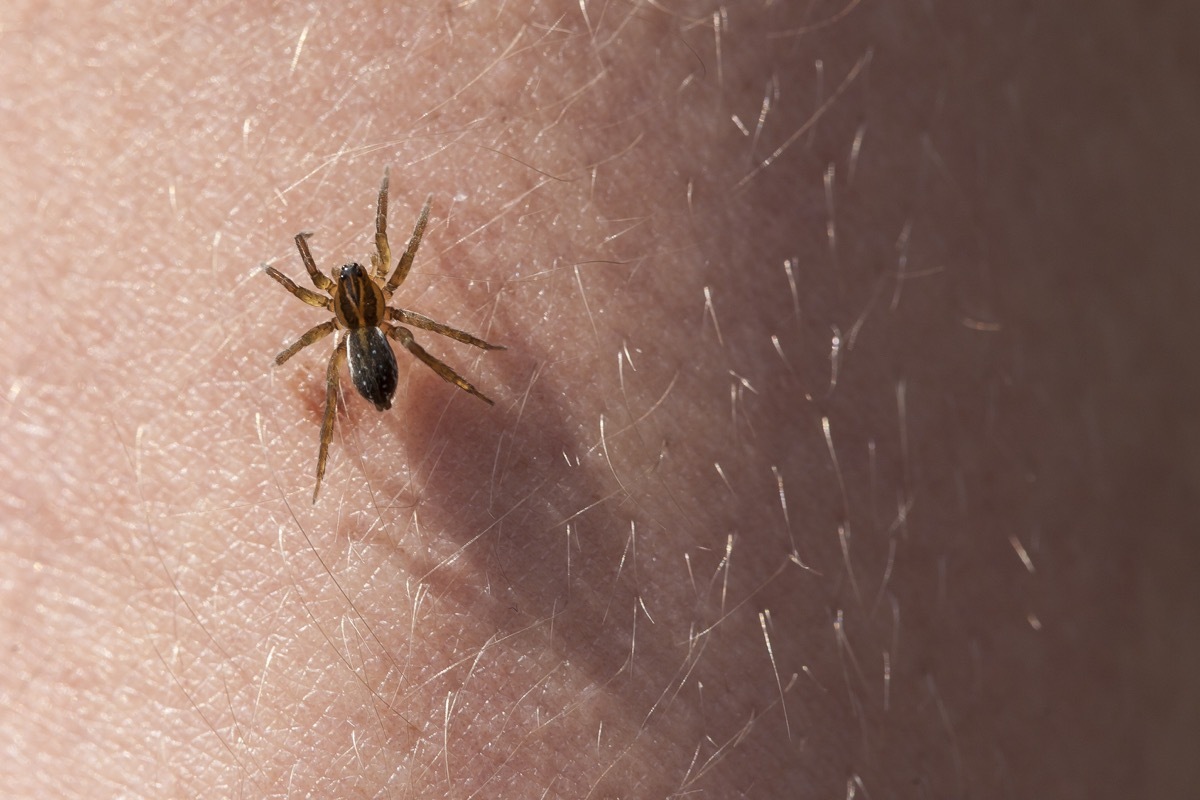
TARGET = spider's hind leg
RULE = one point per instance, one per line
(331, 393)
(425, 323)
(405, 337)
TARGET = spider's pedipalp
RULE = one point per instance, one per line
(319, 279)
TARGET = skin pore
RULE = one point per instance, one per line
(838, 449)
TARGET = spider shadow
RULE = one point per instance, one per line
(538, 542)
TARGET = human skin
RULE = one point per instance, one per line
(689, 550)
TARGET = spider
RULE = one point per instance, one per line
(359, 301)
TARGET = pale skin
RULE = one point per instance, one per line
(838, 447)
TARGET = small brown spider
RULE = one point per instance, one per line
(359, 301)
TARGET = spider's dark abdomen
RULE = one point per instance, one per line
(358, 301)
(372, 365)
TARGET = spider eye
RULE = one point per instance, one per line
(352, 271)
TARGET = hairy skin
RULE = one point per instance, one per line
(841, 446)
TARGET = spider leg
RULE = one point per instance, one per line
(425, 323)
(382, 260)
(307, 295)
(406, 260)
(319, 279)
(314, 334)
(405, 337)
(331, 393)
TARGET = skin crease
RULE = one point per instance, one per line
(593, 589)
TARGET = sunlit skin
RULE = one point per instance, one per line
(359, 301)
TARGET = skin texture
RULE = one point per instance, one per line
(843, 444)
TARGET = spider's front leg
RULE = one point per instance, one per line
(410, 253)
(382, 259)
(305, 295)
(331, 392)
